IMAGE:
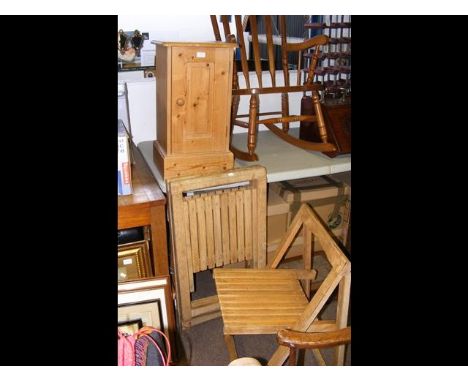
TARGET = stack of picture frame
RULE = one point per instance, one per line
(143, 300)
(134, 258)
(146, 302)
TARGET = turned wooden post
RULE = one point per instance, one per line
(252, 134)
(319, 115)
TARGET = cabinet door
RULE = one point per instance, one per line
(201, 99)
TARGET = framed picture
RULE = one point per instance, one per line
(149, 312)
(130, 327)
(148, 300)
(133, 261)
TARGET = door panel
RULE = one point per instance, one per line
(200, 85)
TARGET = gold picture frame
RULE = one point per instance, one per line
(133, 261)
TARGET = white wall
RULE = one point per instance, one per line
(170, 27)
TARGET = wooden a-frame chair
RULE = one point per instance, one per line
(258, 87)
(265, 301)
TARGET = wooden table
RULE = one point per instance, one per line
(282, 160)
(146, 207)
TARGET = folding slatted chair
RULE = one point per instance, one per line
(265, 301)
(216, 220)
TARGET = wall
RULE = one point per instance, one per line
(170, 27)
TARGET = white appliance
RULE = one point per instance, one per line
(141, 98)
(122, 104)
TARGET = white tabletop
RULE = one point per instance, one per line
(282, 160)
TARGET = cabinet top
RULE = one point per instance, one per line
(204, 44)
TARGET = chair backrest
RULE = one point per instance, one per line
(270, 38)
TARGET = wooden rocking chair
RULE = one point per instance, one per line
(254, 91)
(265, 301)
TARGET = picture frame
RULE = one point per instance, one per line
(133, 261)
(148, 300)
(131, 326)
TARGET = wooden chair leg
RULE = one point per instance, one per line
(231, 346)
(292, 357)
(320, 119)
(252, 134)
(344, 292)
(285, 110)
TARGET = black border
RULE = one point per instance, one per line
(59, 193)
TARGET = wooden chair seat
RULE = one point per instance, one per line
(259, 301)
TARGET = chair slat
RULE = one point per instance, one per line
(284, 52)
(240, 224)
(243, 52)
(262, 299)
(210, 255)
(218, 239)
(214, 24)
(201, 232)
(248, 223)
(256, 49)
(227, 29)
(194, 234)
(271, 53)
(232, 329)
(246, 305)
(277, 310)
(299, 66)
(225, 228)
(188, 245)
(232, 227)
(255, 219)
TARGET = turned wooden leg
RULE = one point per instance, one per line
(231, 346)
(252, 134)
(292, 356)
(285, 110)
(320, 120)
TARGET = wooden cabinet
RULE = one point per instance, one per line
(193, 98)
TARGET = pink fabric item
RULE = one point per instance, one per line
(126, 350)
(126, 346)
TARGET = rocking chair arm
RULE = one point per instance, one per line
(301, 340)
(307, 44)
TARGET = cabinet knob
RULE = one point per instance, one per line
(180, 102)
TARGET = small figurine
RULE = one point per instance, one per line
(137, 41)
(122, 41)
